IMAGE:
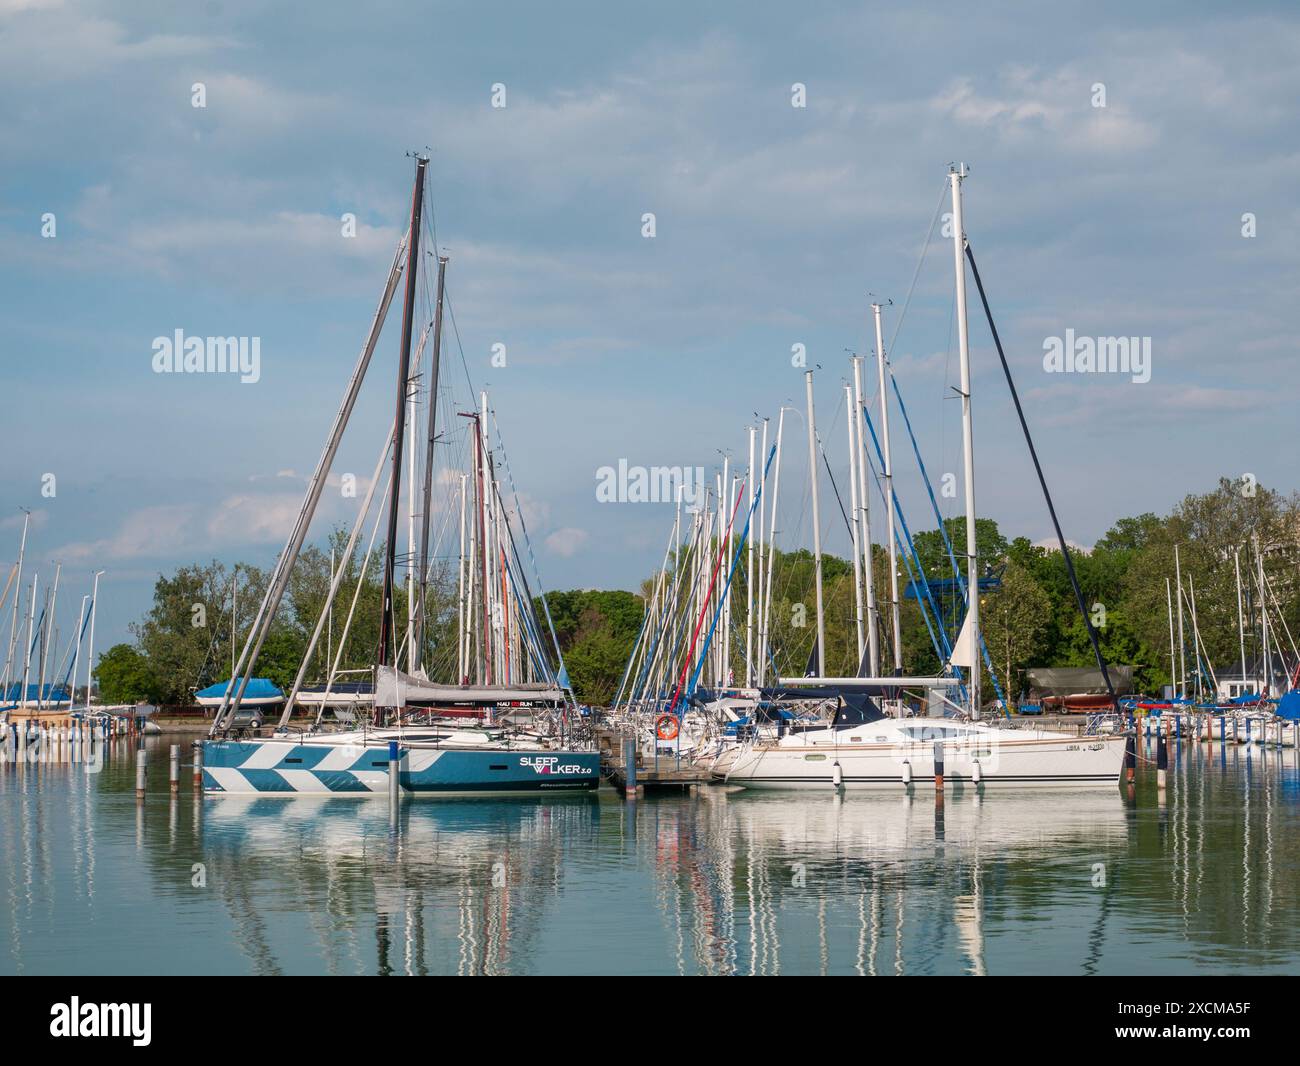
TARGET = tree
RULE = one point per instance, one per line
(124, 676)
(1016, 620)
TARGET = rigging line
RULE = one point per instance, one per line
(925, 249)
(1042, 481)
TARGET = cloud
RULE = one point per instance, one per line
(567, 542)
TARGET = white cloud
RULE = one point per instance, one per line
(567, 542)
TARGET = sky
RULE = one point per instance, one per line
(1132, 173)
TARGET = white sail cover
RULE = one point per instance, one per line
(396, 689)
(963, 652)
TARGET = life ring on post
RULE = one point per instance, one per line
(666, 727)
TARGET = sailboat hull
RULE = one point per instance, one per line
(292, 768)
(1057, 762)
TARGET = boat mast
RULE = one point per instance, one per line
(771, 551)
(399, 431)
(749, 574)
(868, 566)
(1182, 642)
(882, 365)
(428, 462)
(18, 585)
(46, 631)
(27, 647)
(817, 529)
(461, 677)
(1173, 658)
(855, 524)
(1241, 615)
(90, 647)
(1263, 621)
(955, 178)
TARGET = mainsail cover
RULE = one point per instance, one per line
(963, 652)
(396, 689)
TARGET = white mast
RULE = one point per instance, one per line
(868, 564)
(47, 629)
(460, 593)
(27, 646)
(749, 574)
(882, 365)
(968, 439)
(411, 553)
(18, 585)
(854, 523)
(90, 650)
(817, 528)
(1241, 617)
(1263, 621)
(234, 614)
(76, 655)
(1173, 659)
(1182, 648)
(771, 549)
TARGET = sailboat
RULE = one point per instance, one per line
(410, 719)
(864, 748)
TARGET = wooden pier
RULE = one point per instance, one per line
(644, 775)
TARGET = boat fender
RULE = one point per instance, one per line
(666, 727)
(976, 774)
(907, 773)
(837, 775)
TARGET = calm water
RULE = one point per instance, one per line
(1207, 881)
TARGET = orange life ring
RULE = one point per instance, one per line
(666, 727)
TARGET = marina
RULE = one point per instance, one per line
(1200, 875)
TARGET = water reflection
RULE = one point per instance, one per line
(1201, 877)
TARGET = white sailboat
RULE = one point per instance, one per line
(862, 748)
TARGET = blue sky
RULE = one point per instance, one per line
(773, 225)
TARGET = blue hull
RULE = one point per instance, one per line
(279, 767)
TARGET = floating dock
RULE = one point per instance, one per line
(633, 774)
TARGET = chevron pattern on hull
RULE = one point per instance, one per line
(279, 767)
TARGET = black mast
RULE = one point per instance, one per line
(399, 432)
(428, 463)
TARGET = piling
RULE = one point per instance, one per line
(394, 772)
(629, 767)
(198, 763)
(938, 765)
(1162, 763)
(140, 756)
(1130, 757)
(174, 769)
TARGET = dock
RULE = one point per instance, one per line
(634, 775)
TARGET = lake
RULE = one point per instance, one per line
(1205, 880)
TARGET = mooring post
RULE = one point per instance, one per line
(394, 772)
(139, 773)
(1130, 757)
(198, 763)
(629, 767)
(1162, 762)
(174, 769)
(938, 765)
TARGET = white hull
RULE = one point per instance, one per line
(895, 755)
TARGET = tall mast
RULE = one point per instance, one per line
(868, 565)
(399, 432)
(18, 585)
(1173, 658)
(855, 523)
(90, 647)
(771, 550)
(882, 365)
(1263, 621)
(460, 593)
(1241, 616)
(1182, 647)
(817, 528)
(955, 177)
(428, 462)
(749, 573)
(27, 646)
(46, 630)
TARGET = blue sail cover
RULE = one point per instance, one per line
(50, 693)
(259, 688)
(1288, 706)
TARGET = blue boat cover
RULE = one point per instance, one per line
(259, 688)
(1288, 706)
(50, 693)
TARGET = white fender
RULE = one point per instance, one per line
(837, 775)
(907, 773)
(976, 774)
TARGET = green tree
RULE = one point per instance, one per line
(124, 676)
